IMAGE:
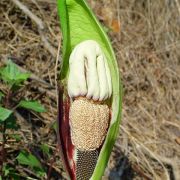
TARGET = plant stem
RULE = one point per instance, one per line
(51, 164)
(3, 150)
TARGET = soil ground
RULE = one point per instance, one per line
(146, 37)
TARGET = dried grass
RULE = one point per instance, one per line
(147, 49)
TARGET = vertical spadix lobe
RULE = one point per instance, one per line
(79, 24)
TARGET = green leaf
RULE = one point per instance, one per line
(28, 159)
(4, 113)
(17, 137)
(12, 75)
(40, 172)
(45, 148)
(10, 173)
(55, 126)
(15, 176)
(78, 23)
(1, 96)
(11, 123)
(32, 105)
(6, 169)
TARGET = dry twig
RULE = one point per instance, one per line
(40, 25)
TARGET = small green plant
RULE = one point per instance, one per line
(12, 79)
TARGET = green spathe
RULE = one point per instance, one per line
(78, 24)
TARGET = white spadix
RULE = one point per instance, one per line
(89, 74)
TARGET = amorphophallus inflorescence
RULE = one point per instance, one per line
(90, 95)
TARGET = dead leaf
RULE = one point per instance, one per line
(177, 140)
(115, 25)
